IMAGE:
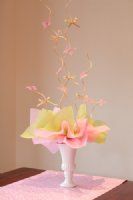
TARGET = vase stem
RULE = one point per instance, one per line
(68, 164)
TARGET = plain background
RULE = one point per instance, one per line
(26, 58)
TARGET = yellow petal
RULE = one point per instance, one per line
(28, 133)
(82, 112)
(101, 138)
(66, 114)
(44, 116)
(91, 121)
(98, 123)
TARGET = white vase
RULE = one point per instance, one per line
(68, 164)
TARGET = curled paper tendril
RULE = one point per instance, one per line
(64, 76)
(68, 3)
(43, 100)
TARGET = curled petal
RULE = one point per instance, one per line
(80, 128)
(76, 142)
(96, 132)
(68, 132)
(77, 136)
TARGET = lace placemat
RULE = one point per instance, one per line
(45, 186)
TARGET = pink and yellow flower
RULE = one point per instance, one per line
(59, 126)
(76, 137)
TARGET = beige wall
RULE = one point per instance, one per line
(106, 33)
(27, 72)
(7, 85)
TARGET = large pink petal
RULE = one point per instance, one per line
(94, 131)
(102, 128)
(81, 127)
(52, 146)
(97, 129)
(92, 136)
(48, 135)
(65, 127)
(77, 142)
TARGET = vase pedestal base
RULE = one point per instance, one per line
(66, 185)
(68, 165)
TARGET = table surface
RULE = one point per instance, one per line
(122, 192)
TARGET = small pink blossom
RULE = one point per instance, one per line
(101, 102)
(46, 23)
(69, 50)
(31, 88)
(83, 75)
(89, 100)
(59, 70)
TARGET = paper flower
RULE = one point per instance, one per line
(83, 75)
(46, 23)
(60, 126)
(31, 88)
(74, 137)
(72, 22)
(70, 77)
(57, 36)
(69, 50)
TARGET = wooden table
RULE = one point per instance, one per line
(122, 192)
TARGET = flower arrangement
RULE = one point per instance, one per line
(59, 124)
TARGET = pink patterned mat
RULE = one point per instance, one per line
(45, 186)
